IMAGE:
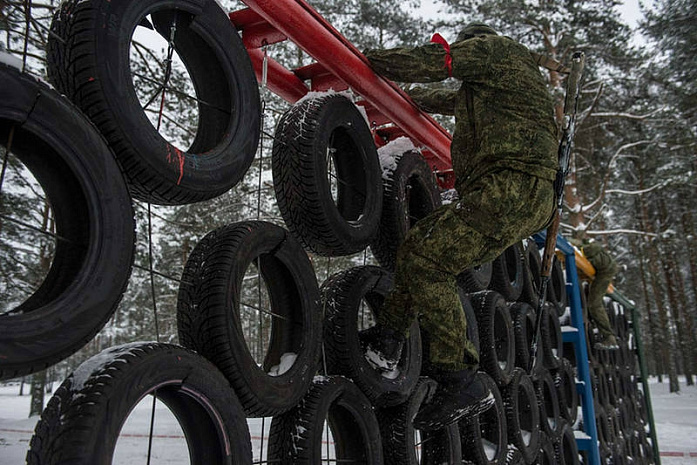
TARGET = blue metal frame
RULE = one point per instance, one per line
(577, 337)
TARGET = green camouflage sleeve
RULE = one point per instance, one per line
(441, 101)
(419, 64)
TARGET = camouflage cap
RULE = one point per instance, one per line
(475, 29)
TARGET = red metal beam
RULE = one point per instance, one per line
(298, 21)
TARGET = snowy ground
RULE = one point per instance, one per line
(676, 423)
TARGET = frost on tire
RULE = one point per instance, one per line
(327, 176)
(253, 271)
(94, 229)
(83, 420)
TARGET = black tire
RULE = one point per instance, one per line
(93, 220)
(471, 317)
(508, 275)
(565, 381)
(489, 426)
(82, 421)
(548, 403)
(476, 279)
(565, 448)
(497, 342)
(305, 135)
(523, 318)
(603, 426)
(401, 446)
(409, 193)
(553, 345)
(209, 306)
(89, 61)
(546, 456)
(343, 297)
(532, 271)
(522, 415)
(514, 457)
(296, 436)
(556, 291)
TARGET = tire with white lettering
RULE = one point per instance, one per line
(351, 301)
(409, 193)
(327, 176)
(406, 445)
(236, 271)
(299, 435)
(92, 216)
(83, 420)
(94, 49)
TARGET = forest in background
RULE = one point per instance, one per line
(631, 186)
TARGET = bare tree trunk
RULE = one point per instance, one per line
(649, 344)
(38, 385)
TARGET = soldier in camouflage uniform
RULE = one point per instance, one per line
(605, 270)
(504, 155)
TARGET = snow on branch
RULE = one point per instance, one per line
(639, 192)
(627, 115)
(582, 227)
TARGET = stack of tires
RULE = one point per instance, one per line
(337, 196)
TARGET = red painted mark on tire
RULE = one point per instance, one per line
(179, 160)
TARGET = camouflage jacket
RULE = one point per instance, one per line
(504, 114)
(599, 258)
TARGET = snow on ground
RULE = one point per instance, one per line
(676, 424)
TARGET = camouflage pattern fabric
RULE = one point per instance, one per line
(504, 155)
(605, 270)
(499, 210)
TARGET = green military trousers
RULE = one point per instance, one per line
(497, 211)
(596, 308)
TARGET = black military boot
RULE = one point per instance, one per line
(607, 342)
(459, 394)
(382, 347)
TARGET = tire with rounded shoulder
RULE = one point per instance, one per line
(442, 446)
(297, 436)
(496, 339)
(94, 226)
(565, 448)
(532, 270)
(210, 297)
(476, 279)
(342, 297)
(409, 193)
(88, 60)
(546, 455)
(556, 291)
(82, 421)
(522, 415)
(490, 426)
(305, 135)
(523, 318)
(508, 275)
(548, 403)
(553, 345)
(565, 381)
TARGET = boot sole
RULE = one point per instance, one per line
(457, 414)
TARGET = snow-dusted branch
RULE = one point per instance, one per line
(627, 115)
(639, 192)
(582, 227)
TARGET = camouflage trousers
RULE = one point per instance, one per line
(596, 308)
(499, 210)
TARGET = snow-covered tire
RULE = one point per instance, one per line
(296, 437)
(312, 137)
(556, 290)
(409, 193)
(484, 439)
(89, 61)
(532, 270)
(476, 279)
(93, 219)
(496, 338)
(211, 297)
(565, 381)
(345, 296)
(400, 443)
(553, 344)
(548, 403)
(508, 275)
(565, 448)
(83, 419)
(522, 415)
